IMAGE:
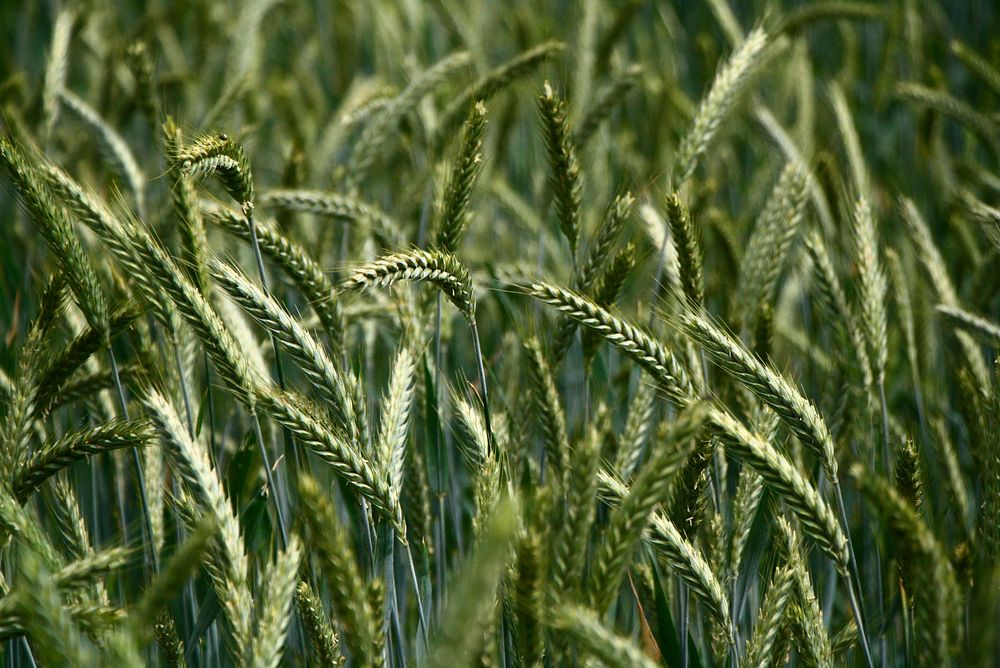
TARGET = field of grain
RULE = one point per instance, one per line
(523, 334)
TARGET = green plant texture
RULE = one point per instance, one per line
(518, 334)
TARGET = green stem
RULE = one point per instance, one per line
(482, 382)
(416, 591)
(887, 464)
(852, 577)
(147, 522)
(278, 367)
(439, 463)
(682, 594)
(271, 489)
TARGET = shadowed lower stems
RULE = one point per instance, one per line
(682, 594)
(853, 578)
(152, 559)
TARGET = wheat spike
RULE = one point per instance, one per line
(715, 107)
(334, 205)
(788, 483)
(113, 146)
(395, 420)
(453, 219)
(274, 611)
(874, 288)
(628, 522)
(228, 567)
(351, 603)
(550, 413)
(53, 457)
(583, 626)
(473, 597)
(296, 414)
(683, 557)
(638, 345)
(442, 269)
(767, 384)
(565, 170)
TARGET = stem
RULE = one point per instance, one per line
(482, 382)
(440, 531)
(416, 591)
(887, 464)
(279, 369)
(439, 463)
(27, 649)
(392, 601)
(682, 594)
(147, 523)
(853, 576)
(272, 490)
(856, 609)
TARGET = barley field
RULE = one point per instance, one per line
(523, 334)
